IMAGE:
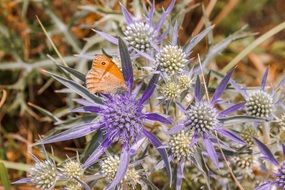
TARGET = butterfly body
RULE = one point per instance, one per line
(104, 76)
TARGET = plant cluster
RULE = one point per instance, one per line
(174, 115)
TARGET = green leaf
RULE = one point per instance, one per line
(4, 177)
(74, 72)
(77, 88)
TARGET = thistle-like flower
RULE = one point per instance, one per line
(184, 81)
(170, 90)
(171, 59)
(282, 121)
(142, 34)
(260, 103)
(43, 174)
(278, 180)
(120, 119)
(109, 169)
(205, 120)
(180, 146)
(72, 171)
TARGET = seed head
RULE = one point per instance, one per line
(170, 90)
(43, 175)
(184, 81)
(172, 59)
(72, 169)
(282, 121)
(179, 145)
(259, 104)
(243, 162)
(139, 35)
(109, 168)
(132, 177)
(247, 135)
(202, 117)
(280, 176)
(122, 118)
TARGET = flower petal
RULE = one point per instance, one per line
(230, 135)
(106, 36)
(196, 39)
(149, 89)
(210, 150)
(154, 140)
(157, 117)
(198, 90)
(122, 169)
(222, 86)
(97, 153)
(265, 186)
(126, 14)
(180, 175)
(232, 109)
(87, 109)
(126, 64)
(264, 79)
(283, 149)
(176, 129)
(238, 88)
(175, 34)
(164, 15)
(72, 133)
(23, 180)
(265, 151)
(151, 11)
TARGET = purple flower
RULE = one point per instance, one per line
(204, 119)
(144, 33)
(260, 103)
(120, 119)
(278, 180)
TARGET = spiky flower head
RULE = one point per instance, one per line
(72, 169)
(247, 134)
(43, 174)
(109, 168)
(172, 59)
(184, 81)
(243, 162)
(280, 176)
(139, 35)
(179, 145)
(259, 104)
(203, 117)
(123, 118)
(282, 121)
(170, 90)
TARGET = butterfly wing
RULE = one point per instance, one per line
(106, 79)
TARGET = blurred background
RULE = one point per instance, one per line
(24, 49)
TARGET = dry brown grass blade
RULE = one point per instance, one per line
(4, 97)
(226, 10)
(201, 23)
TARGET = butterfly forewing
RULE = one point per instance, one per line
(104, 76)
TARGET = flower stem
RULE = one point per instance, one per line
(227, 164)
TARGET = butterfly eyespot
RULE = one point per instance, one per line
(103, 63)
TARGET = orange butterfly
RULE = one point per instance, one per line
(104, 76)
